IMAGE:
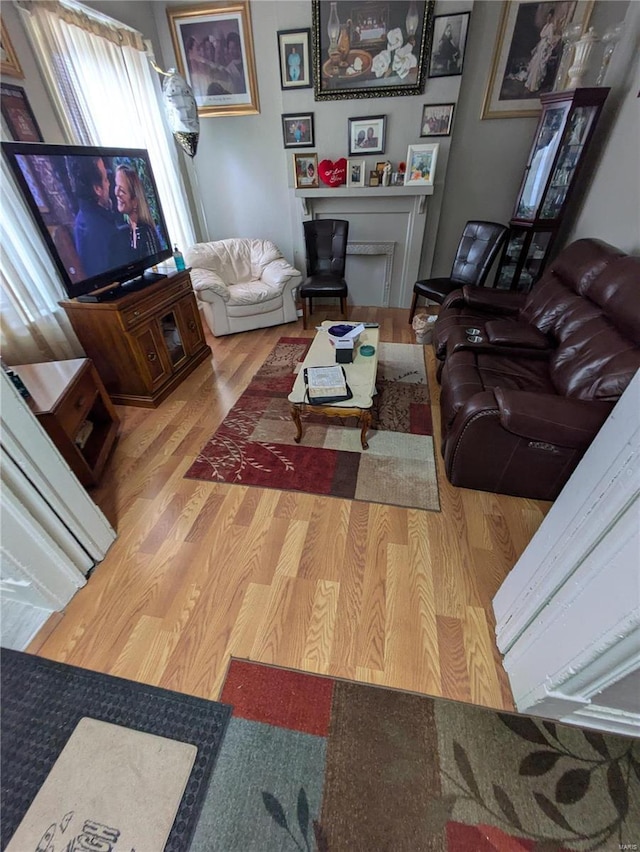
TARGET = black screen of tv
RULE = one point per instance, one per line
(97, 208)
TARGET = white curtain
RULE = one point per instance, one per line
(106, 94)
(110, 96)
(33, 327)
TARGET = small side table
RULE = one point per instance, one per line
(71, 403)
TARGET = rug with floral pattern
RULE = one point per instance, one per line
(313, 763)
(254, 445)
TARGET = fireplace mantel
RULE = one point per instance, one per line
(369, 192)
(325, 191)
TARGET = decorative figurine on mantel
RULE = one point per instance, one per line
(386, 174)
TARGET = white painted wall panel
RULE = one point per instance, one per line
(568, 614)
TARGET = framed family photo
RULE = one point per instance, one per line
(436, 119)
(9, 64)
(367, 134)
(370, 48)
(527, 54)
(214, 49)
(17, 112)
(297, 130)
(421, 164)
(305, 171)
(294, 50)
(356, 173)
(449, 42)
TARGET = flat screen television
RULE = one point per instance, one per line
(98, 211)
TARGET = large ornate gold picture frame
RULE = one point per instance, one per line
(214, 50)
(9, 64)
(527, 54)
(369, 49)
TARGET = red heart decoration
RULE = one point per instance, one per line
(333, 174)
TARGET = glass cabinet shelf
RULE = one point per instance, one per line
(560, 145)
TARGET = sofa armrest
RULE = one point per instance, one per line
(493, 301)
(551, 419)
(205, 279)
(279, 272)
(516, 334)
(459, 339)
(454, 299)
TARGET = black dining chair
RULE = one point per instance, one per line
(476, 253)
(326, 244)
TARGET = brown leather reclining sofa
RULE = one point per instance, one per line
(529, 379)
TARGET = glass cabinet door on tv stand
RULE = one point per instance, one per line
(561, 140)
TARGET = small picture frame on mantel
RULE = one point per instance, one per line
(421, 164)
(356, 173)
(305, 171)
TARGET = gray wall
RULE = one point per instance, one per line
(241, 176)
(609, 207)
(488, 156)
(242, 171)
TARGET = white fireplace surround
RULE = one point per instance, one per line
(385, 221)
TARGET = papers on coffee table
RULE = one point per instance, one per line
(326, 382)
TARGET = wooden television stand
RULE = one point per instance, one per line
(144, 343)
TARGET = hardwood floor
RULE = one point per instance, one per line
(202, 571)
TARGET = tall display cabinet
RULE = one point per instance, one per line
(561, 141)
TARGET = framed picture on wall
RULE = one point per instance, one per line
(9, 64)
(297, 130)
(436, 119)
(369, 48)
(366, 134)
(17, 113)
(527, 54)
(214, 49)
(449, 42)
(421, 164)
(305, 171)
(294, 50)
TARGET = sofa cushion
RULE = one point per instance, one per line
(561, 301)
(590, 310)
(594, 362)
(617, 292)
(466, 373)
(253, 292)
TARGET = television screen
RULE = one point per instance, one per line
(98, 211)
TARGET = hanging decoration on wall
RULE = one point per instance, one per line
(180, 107)
(182, 112)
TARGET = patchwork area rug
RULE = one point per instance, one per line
(43, 702)
(313, 763)
(254, 445)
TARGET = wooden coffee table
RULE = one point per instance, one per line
(361, 378)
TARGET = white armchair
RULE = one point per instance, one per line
(242, 284)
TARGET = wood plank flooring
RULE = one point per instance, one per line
(201, 571)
